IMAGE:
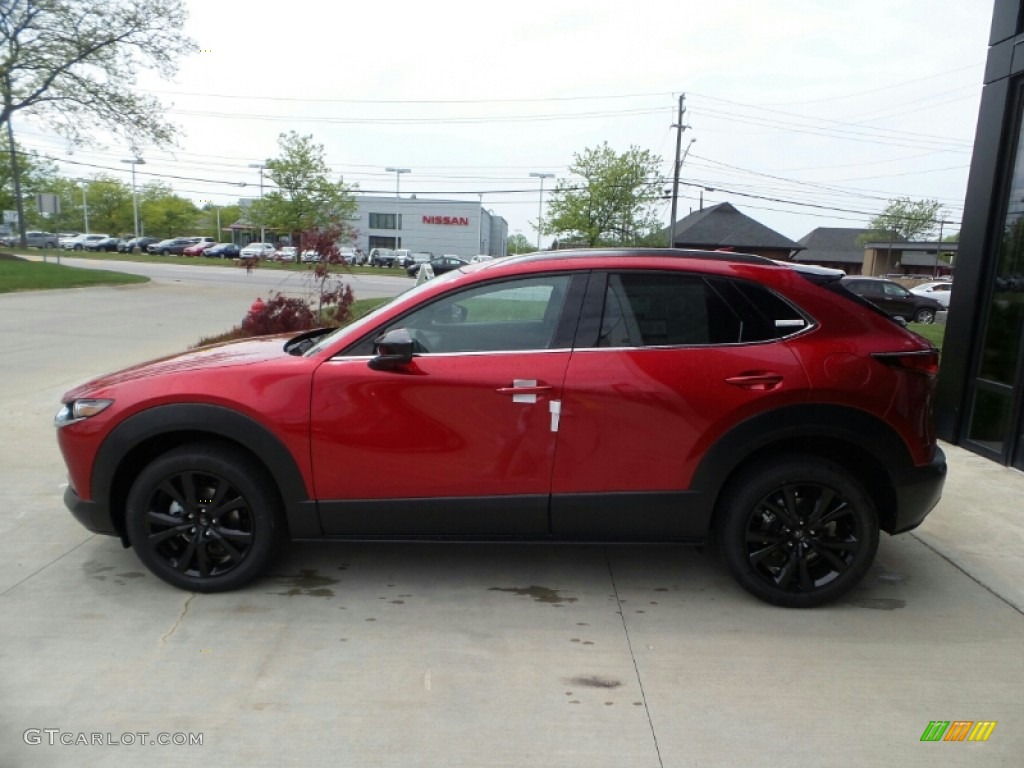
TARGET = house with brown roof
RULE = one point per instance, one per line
(837, 247)
(723, 227)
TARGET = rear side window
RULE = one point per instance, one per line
(657, 309)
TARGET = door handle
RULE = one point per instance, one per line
(760, 381)
(524, 390)
(537, 389)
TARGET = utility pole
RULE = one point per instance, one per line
(680, 127)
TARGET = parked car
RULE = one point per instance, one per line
(81, 242)
(223, 251)
(941, 291)
(480, 257)
(894, 299)
(286, 253)
(199, 248)
(417, 259)
(403, 257)
(440, 265)
(137, 245)
(37, 239)
(258, 251)
(716, 394)
(382, 257)
(65, 237)
(174, 246)
(108, 244)
(347, 255)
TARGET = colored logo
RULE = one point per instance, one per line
(958, 730)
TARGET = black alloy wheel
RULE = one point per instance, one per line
(798, 533)
(203, 518)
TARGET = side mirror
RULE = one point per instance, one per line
(394, 350)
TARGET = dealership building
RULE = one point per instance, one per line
(981, 380)
(458, 227)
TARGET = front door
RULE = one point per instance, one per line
(458, 442)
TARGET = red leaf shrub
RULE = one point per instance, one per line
(280, 314)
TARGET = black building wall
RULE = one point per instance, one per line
(981, 380)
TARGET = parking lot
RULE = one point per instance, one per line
(392, 654)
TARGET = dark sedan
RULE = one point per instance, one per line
(108, 244)
(439, 265)
(136, 244)
(893, 299)
(174, 246)
(223, 251)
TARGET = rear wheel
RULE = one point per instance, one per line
(204, 518)
(797, 532)
(924, 315)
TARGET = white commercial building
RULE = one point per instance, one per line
(458, 227)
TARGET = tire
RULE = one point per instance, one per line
(78, 247)
(798, 531)
(924, 315)
(199, 547)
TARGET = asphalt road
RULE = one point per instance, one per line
(460, 655)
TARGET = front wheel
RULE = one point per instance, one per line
(204, 518)
(797, 532)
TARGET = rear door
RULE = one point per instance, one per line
(665, 362)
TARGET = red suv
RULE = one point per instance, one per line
(643, 395)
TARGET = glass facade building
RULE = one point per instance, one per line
(980, 402)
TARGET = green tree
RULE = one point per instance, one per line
(518, 243)
(37, 175)
(614, 204)
(110, 206)
(164, 214)
(905, 219)
(209, 216)
(72, 216)
(74, 64)
(303, 198)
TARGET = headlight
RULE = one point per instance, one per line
(77, 410)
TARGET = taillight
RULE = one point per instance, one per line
(925, 362)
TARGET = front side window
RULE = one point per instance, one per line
(513, 315)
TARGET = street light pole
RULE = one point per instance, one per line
(263, 230)
(540, 202)
(85, 204)
(398, 178)
(135, 198)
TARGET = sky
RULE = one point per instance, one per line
(801, 113)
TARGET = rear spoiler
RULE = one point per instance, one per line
(814, 273)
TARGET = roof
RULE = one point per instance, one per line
(834, 245)
(723, 226)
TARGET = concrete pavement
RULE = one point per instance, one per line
(471, 655)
